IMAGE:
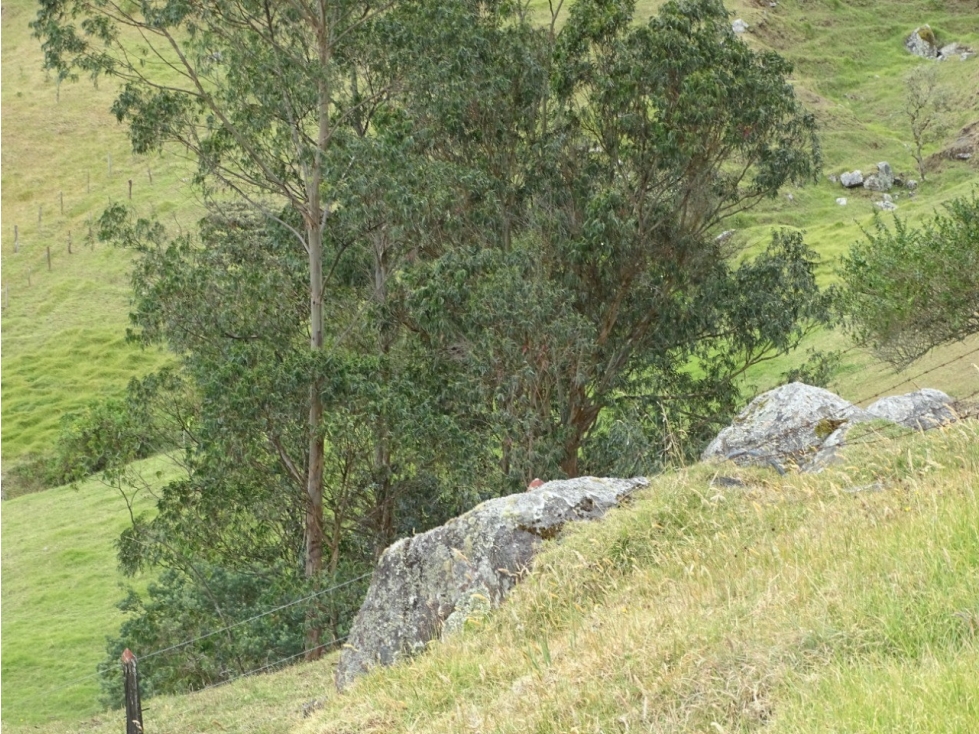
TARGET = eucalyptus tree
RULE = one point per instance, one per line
(261, 94)
(633, 143)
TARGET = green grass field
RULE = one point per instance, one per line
(63, 346)
(60, 589)
(64, 327)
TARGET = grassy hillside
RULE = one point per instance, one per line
(64, 327)
(844, 601)
(63, 345)
(60, 588)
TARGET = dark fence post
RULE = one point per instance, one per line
(134, 712)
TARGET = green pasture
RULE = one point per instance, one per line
(60, 589)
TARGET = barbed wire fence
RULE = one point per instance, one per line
(188, 642)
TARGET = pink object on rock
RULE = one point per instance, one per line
(535, 484)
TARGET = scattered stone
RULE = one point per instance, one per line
(841, 201)
(311, 706)
(739, 26)
(427, 585)
(790, 197)
(887, 206)
(920, 410)
(966, 144)
(883, 180)
(910, 184)
(727, 482)
(949, 50)
(851, 179)
(833, 178)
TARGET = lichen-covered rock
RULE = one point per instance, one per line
(920, 410)
(784, 426)
(441, 578)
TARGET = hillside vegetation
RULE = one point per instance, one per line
(836, 602)
(64, 326)
(695, 607)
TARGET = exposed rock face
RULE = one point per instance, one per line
(783, 426)
(883, 180)
(430, 584)
(920, 410)
(851, 179)
(922, 42)
(966, 144)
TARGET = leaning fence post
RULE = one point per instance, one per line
(134, 712)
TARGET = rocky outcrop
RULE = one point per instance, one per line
(851, 179)
(428, 585)
(922, 42)
(804, 427)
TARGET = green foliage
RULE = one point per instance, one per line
(512, 265)
(182, 643)
(910, 289)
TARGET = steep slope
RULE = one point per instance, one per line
(844, 601)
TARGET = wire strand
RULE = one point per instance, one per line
(251, 619)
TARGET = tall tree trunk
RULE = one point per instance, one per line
(582, 416)
(314, 477)
(315, 221)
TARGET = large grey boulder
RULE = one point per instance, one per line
(883, 180)
(920, 410)
(783, 427)
(429, 584)
(922, 42)
(851, 179)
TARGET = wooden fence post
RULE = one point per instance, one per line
(134, 712)
(130, 189)
(69, 241)
(61, 198)
(16, 239)
(49, 258)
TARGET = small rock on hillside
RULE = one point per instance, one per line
(919, 410)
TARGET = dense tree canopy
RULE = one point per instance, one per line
(513, 228)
